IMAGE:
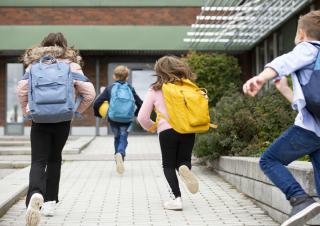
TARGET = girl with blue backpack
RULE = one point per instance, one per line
(124, 104)
(47, 95)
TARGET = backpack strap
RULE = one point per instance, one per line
(26, 76)
(83, 78)
(154, 127)
(315, 44)
(317, 61)
(79, 77)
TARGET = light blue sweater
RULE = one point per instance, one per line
(299, 62)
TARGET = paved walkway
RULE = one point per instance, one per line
(92, 193)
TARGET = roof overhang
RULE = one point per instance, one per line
(99, 38)
(239, 25)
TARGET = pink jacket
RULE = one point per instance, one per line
(153, 99)
(85, 89)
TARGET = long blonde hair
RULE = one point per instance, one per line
(171, 69)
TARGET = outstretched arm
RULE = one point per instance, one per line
(254, 85)
(303, 54)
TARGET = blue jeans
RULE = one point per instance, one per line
(293, 144)
(120, 139)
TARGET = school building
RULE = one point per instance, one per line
(136, 33)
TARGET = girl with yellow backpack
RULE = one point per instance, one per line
(182, 111)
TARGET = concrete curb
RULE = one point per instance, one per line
(245, 174)
(12, 188)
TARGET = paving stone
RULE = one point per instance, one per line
(92, 193)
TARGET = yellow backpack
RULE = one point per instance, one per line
(187, 107)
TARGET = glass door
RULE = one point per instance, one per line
(14, 116)
(141, 81)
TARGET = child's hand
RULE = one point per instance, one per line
(277, 84)
(253, 86)
(281, 83)
(284, 88)
(153, 128)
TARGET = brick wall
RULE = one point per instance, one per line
(98, 16)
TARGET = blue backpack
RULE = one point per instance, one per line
(311, 90)
(51, 91)
(122, 104)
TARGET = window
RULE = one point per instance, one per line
(14, 112)
(141, 81)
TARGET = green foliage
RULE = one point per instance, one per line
(218, 73)
(247, 126)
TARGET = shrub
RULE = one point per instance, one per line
(218, 73)
(246, 125)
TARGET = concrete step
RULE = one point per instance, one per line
(14, 138)
(73, 146)
(16, 143)
(14, 164)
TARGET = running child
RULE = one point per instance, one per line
(176, 148)
(303, 138)
(124, 105)
(50, 133)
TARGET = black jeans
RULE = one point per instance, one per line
(47, 142)
(176, 149)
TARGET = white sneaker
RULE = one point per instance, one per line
(33, 215)
(173, 204)
(119, 163)
(189, 179)
(48, 208)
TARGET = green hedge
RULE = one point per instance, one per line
(218, 73)
(247, 125)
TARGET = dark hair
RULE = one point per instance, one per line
(171, 69)
(310, 23)
(55, 39)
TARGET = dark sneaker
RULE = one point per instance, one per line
(304, 208)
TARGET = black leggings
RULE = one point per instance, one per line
(47, 142)
(176, 149)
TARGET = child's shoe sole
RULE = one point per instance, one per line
(303, 216)
(173, 208)
(33, 214)
(119, 163)
(189, 179)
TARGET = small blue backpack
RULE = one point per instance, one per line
(311, 90)
(122, 104)
(51, 91)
